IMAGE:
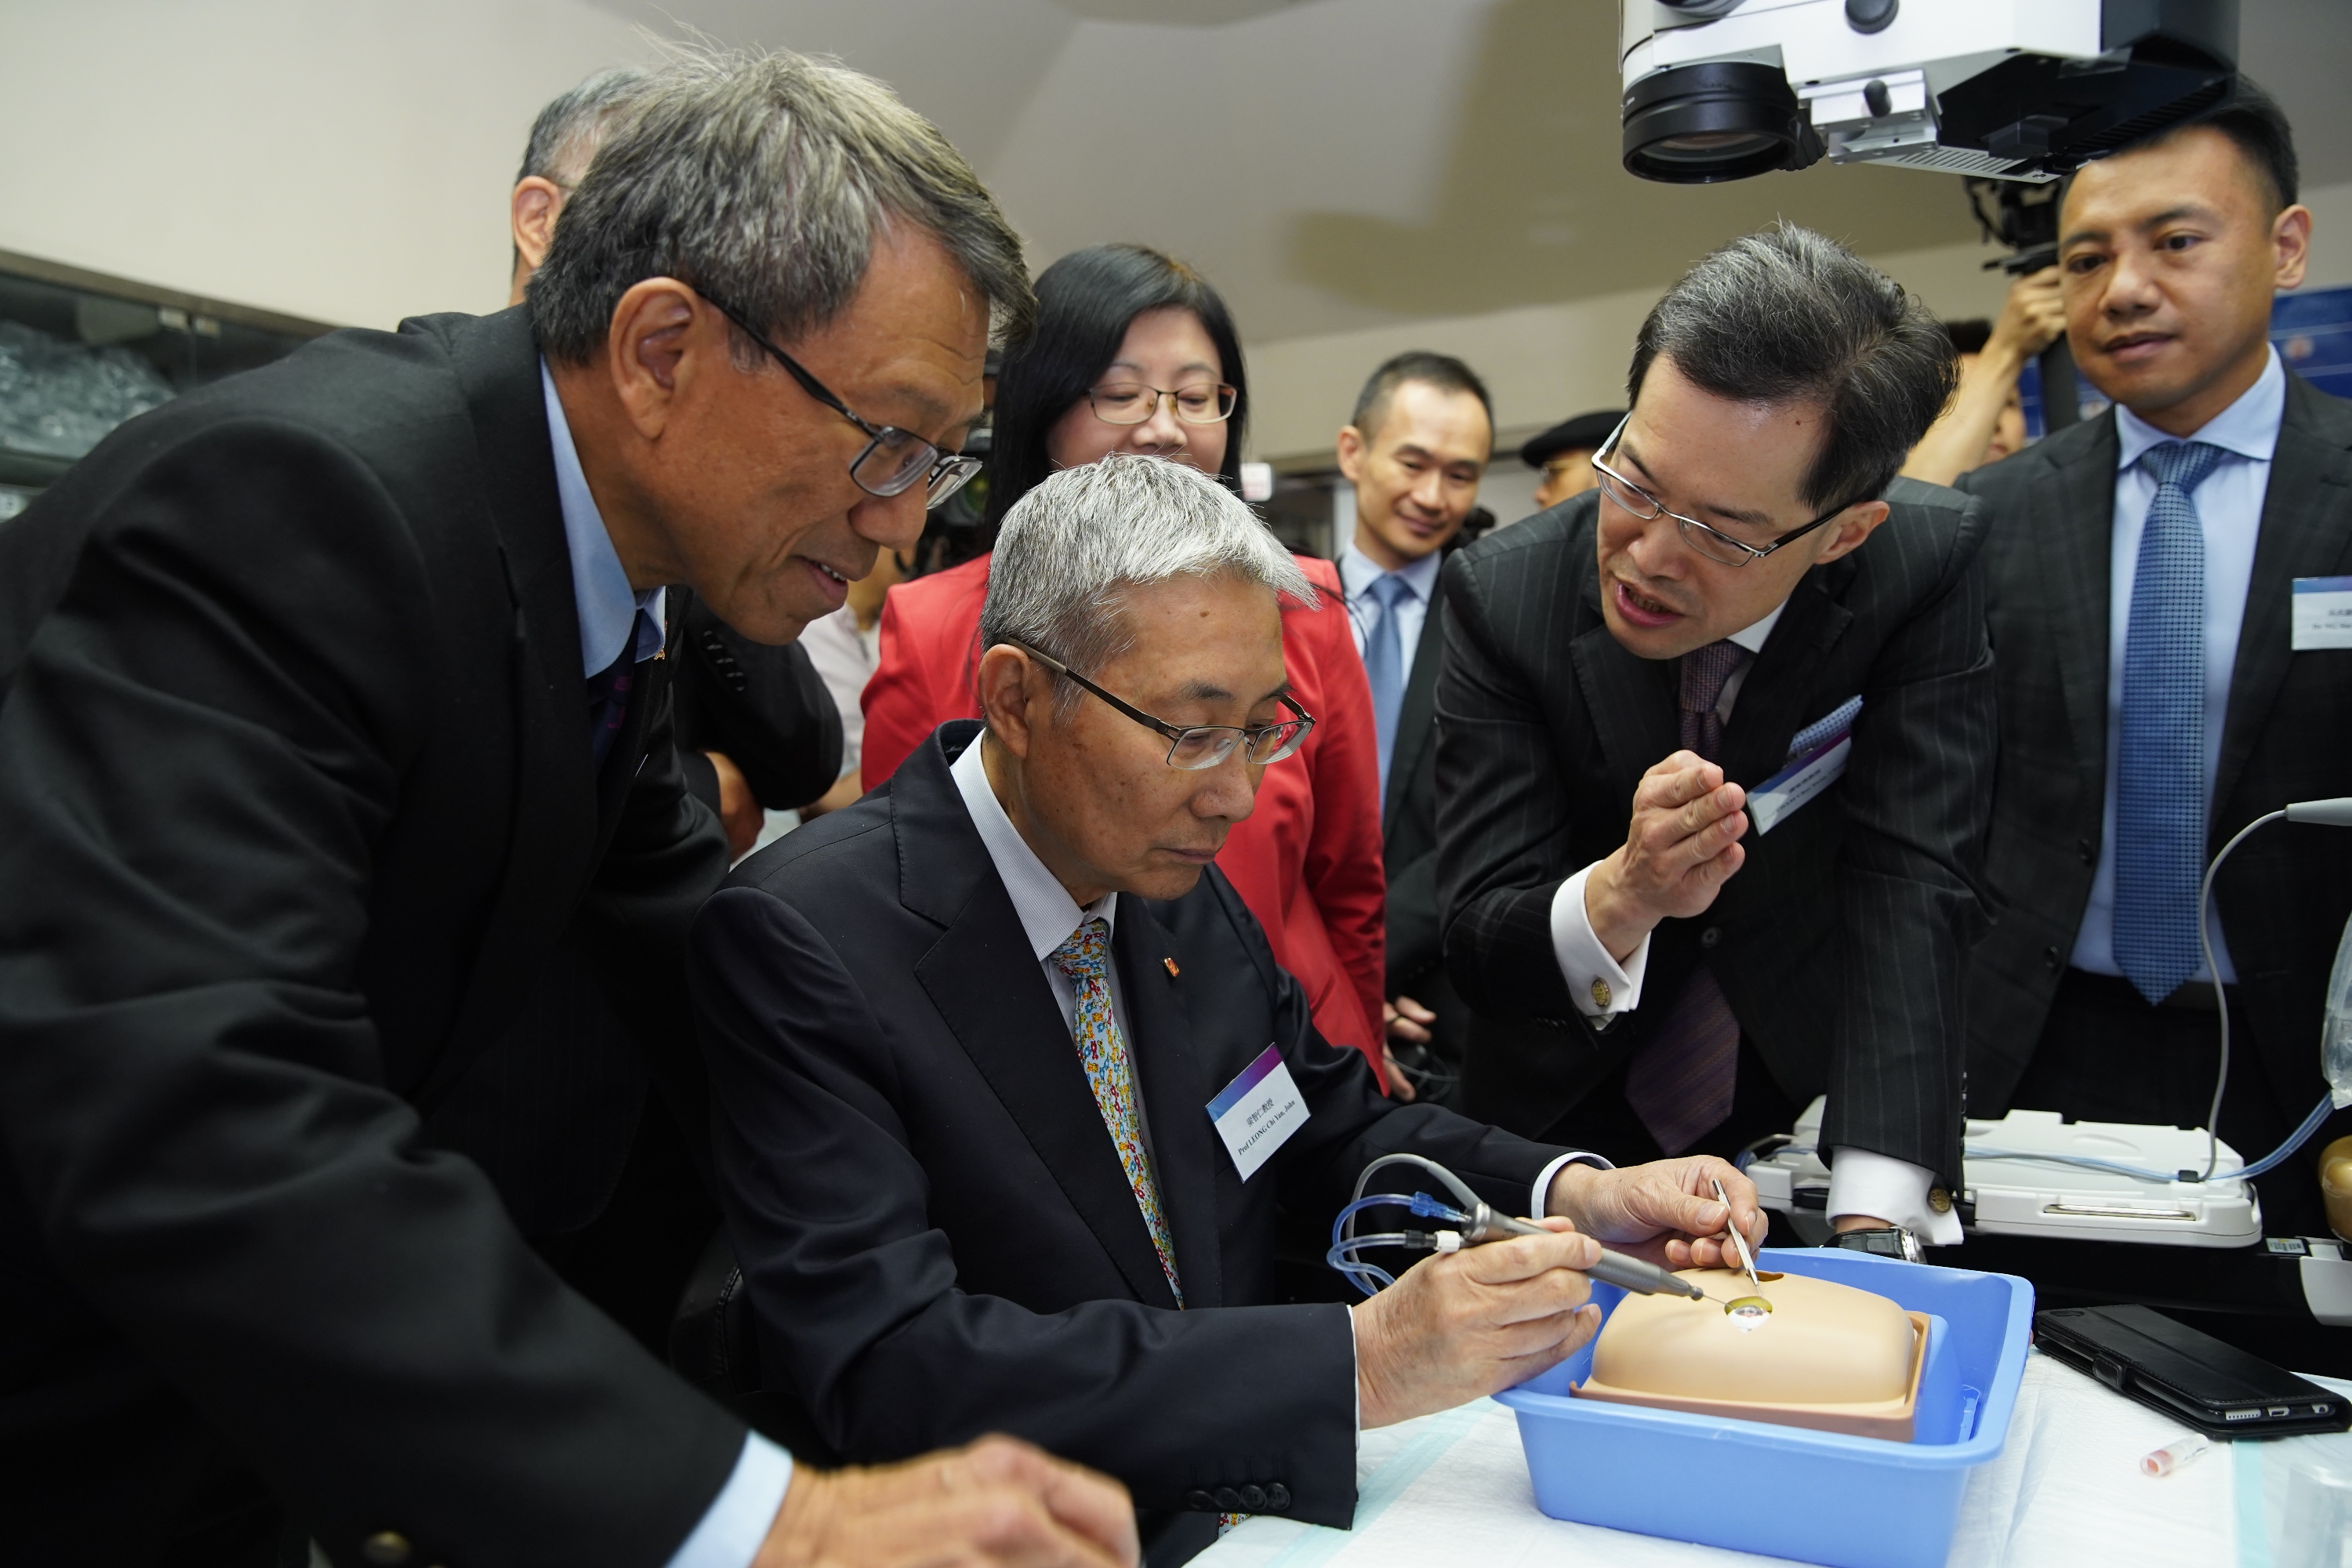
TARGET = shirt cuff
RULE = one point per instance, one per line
(1597, 984)
(1865, 1182)
(1540, 1194)
(737, 1523)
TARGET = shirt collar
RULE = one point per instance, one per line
(1359, 572)
(1047, 912)
(2248, 428)
(1752, 637)
(600, 586)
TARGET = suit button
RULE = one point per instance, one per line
(385, 1548)
(1710, 936)
(1229, 1501)
(1254, 1499)
(1200, 1501)
(2090, 856)
(2050, 957)
(1277, 1498)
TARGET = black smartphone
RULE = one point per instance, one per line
(2217, 1388)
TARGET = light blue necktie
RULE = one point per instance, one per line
(1384, 664)
(2160, 756)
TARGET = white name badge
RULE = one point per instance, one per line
(2323, 613)
(1256, 1113)
(1800, 782)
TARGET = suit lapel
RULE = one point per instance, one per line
(2073, 527)
(1783, 683)
(1185, 1152)
(2306, 528)
(1417, 713)
(1631, 699)
(986, 984)
(552, 815)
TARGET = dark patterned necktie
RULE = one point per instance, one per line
(1681, 1082)
(608, 702)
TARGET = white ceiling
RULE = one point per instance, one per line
(1341, 163)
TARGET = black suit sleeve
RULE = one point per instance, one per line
(1503, 814)
(198, 759)
(1916, 797)
(829, 1203)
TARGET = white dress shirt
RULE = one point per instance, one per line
(2229, 510)
(1359, 572)
(736, 1524)
(1862, 1182)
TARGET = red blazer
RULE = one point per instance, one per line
(1306, 859)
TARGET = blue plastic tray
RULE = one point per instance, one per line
(1818, 1497)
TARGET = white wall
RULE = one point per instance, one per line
(1547, 362)
(340, 160)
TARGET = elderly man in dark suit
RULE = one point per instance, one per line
(331, 697)
(2155, 696)
(1014, 1100)
(1715, 740)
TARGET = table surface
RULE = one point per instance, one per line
(2065, 1491)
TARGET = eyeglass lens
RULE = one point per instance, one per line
(1132, 403)
(897, 460)
(1205, 748)
(1715, 548)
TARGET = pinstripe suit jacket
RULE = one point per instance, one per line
(1839, 942)
(2287, 736)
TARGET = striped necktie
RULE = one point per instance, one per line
(1085, 957)
(1681, 1082)
(2160, 746)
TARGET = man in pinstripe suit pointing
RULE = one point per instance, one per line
(1713, 775)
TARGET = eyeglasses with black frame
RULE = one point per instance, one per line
(1133, 403)
(1196, 746)
(893, 460)
(1711, 542)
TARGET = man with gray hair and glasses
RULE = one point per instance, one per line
(1717, 752)
(1013, 1098)
(331, 697)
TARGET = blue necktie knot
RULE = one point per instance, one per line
(2182, 465)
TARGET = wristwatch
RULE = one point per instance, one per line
(1891, 1241)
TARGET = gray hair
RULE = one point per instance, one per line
(563, 137)
(762, 180)
(1073, 546)
(1790, 316)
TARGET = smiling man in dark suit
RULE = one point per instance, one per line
(1423, 430)
(1715, 740)
(987, 1047)
(2154, 695)
(331, 697)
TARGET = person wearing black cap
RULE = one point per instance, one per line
(1564, 453)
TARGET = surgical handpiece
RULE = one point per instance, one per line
(1613, 1268)
(1472, 1223)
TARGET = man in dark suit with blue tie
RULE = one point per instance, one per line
(1715, 744)
(2155, 694)
(1413, 453)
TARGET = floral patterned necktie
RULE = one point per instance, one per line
(1085, 957)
